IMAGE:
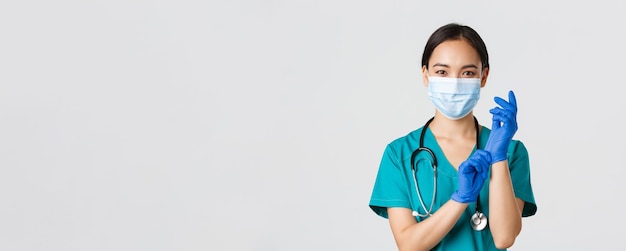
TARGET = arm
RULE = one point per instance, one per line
(505, 210)
(411, 235)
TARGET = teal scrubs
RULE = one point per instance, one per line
(394, 186)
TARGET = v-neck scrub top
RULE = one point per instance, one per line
(394, 186)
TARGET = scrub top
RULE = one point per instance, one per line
(395, 186)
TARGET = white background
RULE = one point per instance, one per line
(259, 125)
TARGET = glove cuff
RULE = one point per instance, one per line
(461, 199)
(497, 157)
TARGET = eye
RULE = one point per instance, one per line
(440, 72)
(469, 74)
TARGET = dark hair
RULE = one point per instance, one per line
(454, 31)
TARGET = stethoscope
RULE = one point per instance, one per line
(479, 219)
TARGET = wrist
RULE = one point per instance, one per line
(502, 163)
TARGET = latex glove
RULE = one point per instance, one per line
(472, 175)
(503, 127)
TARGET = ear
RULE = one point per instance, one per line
(483, 80)
(425, 76)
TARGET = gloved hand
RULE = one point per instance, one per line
(503, 127)
(472, 175)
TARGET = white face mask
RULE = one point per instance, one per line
(454, 97)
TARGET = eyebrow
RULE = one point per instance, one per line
(464, 67)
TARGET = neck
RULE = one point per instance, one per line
(447, 128)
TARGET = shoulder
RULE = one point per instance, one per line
(408, 139)
(518, 155)
(517, 147)
(402, 146)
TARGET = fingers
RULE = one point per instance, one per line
(481, 156)
(510, 105)
(495, 123)
(502, 115)
(472, 175)
(477, 163)
(484, 159)
(506, 105)
(469, 166)
(512, 99)
(506, 113)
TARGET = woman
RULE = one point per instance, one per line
(464, 186)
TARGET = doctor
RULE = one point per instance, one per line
(467, 187)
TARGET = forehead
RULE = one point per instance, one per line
(454, 52)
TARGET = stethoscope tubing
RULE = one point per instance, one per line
(478, 219)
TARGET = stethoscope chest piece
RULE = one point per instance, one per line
(478, 221)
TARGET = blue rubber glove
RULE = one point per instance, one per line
(472, 175)
(503, 128)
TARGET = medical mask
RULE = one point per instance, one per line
(454, 97)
